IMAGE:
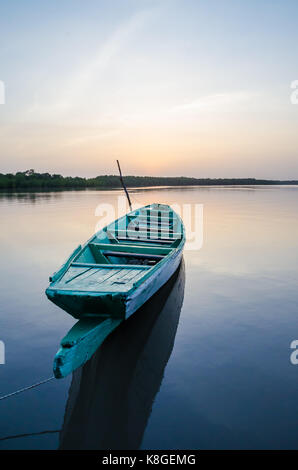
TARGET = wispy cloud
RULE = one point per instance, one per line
(216, 102)
(84, 84)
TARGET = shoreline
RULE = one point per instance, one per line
(136, 188)
(33, 181)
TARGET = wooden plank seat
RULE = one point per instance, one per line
(149, 228)
(125, 254)
(162, 218)
(147, 240)
(138, 238)
(109, 266)
(150, 250)
(151, 217)
(152, 212)
(150, 223)
(143, 233)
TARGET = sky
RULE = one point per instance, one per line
(169, 87)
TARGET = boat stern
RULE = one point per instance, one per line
(83, 305)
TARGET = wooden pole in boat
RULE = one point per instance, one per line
(124, 187)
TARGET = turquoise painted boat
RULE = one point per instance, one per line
(121, 266)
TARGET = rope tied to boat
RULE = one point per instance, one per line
(27, 388)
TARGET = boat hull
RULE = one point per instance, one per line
(82, 305)
(154, 283)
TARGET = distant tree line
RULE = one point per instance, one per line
(31, 180)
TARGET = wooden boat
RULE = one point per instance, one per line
(121, 266)
(111, 276)
(111, 397)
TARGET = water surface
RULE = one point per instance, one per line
(225, 381)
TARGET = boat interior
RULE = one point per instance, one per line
(128, 247)
(141, 238)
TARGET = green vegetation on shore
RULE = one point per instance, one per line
(31, 180)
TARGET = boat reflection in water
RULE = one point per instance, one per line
(111, 396)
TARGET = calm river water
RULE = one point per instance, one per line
(205, 365)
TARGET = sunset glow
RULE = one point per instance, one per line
(171, 88)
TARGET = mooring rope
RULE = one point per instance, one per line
(27, 388)
(17, 436)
